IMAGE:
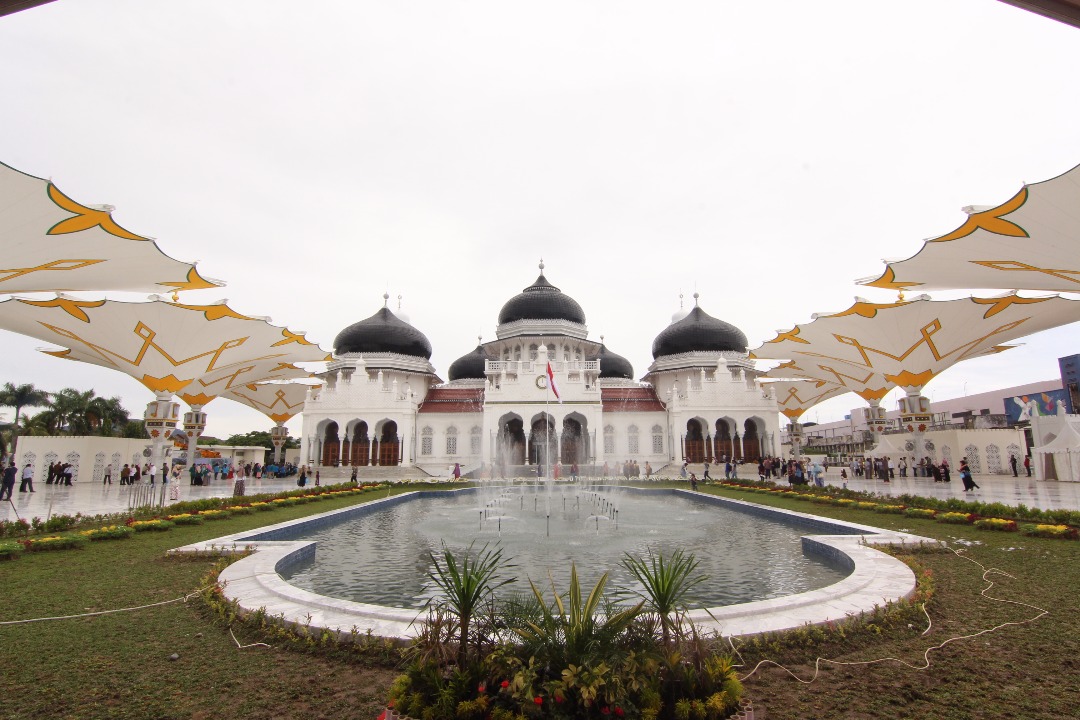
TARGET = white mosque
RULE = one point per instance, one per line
(382, 403)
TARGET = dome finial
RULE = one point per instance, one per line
(541, 265)
(680, 299)
(601, 339)
(385, 299)
(696, 296)
(479, 339)
(398, 302)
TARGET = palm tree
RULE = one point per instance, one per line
(18, 397)
(106, 416)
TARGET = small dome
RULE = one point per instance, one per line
(382, 332)
(541, 301)
(469, 366)
(613, 365)
(698, 331)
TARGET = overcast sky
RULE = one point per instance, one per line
(314, 155)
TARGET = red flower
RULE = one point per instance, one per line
(559, 698)
(619, 711)
(605, 710)
(504, 684)
(382, 716)
(538, 700)
(481, 688)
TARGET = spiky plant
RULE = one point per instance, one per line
(666, 583)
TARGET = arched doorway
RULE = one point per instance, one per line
(574, 441)
(751, 441)
(360, 447)
(389, 445)
(695, 442)
(331, 449)
(722, 440)
(510, 441)
(543, 443)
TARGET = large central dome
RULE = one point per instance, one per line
(541, 301)
(697, 332)
(383, 332)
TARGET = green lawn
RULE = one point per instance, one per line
(117, 666)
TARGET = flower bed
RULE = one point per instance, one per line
(262, 506)
(9, 549)
(185, 519)
(157, 525)
(996, 524)
(866, 505)
(890, 509)
(54, 542)
(920, 513)
(956, 518)
(215, 514)
(109, 532)
(285, 501)
(1052, 531)
(240, 509)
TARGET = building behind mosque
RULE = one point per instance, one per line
(382, 403)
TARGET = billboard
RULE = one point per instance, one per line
(1022, 408)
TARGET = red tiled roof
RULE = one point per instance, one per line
(630, 399)
(453, 400)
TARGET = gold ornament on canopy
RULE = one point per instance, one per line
(1030, 242)
(51, 243)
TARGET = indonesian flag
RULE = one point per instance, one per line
(551, 382)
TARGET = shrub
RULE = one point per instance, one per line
(240, 509)
(996, 524)
(955, 518)
(913, 512)
(890, 509)
(866, 505)
(9, 549)
(262, 506)
(215, 514)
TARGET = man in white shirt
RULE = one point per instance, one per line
(27, 479)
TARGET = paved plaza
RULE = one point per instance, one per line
(91, 498)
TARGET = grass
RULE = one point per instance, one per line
(117, 666)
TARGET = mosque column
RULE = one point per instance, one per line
(371, 449)
(915, 417)
(159, 419)
(528, 447)
(795, 430)
(345, 453)
(278, 434)
(875, 420)
(194, 425)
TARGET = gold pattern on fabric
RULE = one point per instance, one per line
(792, 335)
(887, 281)
(54, 266)
(1004, 303)
(1017, 266)
(194, 281)
(907, 378)
(991, 221)
(169, 383)
(291, 337)
(214, 312)
(85, 218)
(74, 308)
(866, 309)
(197, 398)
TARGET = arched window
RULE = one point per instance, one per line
(475, 438)
(632, 439)
(451, 441)
(657, 439)
(609, 440)
(425, 441)
(534, 352)
(551, 352)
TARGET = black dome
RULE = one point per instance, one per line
(469, 366)
(382, 332)
(698, 331)
(541, 301)
(613, 365)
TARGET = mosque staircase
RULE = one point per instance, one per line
(369, 473)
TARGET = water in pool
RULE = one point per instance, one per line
(384, 558)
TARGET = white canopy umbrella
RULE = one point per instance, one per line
(279, 401)
(1030, 242)
(51, 243)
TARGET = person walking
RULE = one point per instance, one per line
(1013, 464)
(7, 486)
(705, 475)
(965, 475)
(1027, 464)
(27, 479)
(107, 480)
(125, 475)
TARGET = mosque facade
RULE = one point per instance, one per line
(382, 403)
